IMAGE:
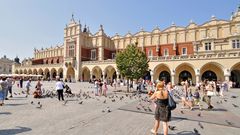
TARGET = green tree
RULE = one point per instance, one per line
(132, 63)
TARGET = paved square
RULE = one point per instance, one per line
(19, 116)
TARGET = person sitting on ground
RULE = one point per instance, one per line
(37, 93)
(68, 89)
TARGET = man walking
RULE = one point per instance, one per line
(10, 82)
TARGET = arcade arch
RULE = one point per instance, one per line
(212, 71)
(85, 74)
(162, 71)
(185, 71)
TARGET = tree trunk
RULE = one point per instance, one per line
(127, 85)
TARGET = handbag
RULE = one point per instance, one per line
(211, 93)
(171, 103)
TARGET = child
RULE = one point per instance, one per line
(196, 98)
(105, 89)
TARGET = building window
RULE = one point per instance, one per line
(113, 55)
(93, 54)
(208, 46)
(184, 51)
(150, 53)
(166, 52)
(235, 44)
(71, 50)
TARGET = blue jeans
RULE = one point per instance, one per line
(2, 95)
(5, 91)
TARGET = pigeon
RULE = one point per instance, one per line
(103, 111)
(196, 131)
(138, 108)
(23, 92)
(233, 96)
(199, 114)
(80, 102)
(104, 101)
(149, 109)
(113, 100)
(235, 105)
(109, 110)
(228, 122)
(172, 127)
(39, 103)
(182, 112)
(31, 102)
(225, 100)
(200, 125)
(40, 106)
(15, 93)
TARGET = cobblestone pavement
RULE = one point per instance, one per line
(19, 116)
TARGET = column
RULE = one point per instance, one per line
(197, 79)
(173, 78)
(91, 75)
(226, 78)
(151, 73)
(103, 73)
(117, 73)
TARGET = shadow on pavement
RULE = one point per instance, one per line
(6, 113)
(15, 104)
(14, 131)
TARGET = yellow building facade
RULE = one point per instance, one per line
(195, 52)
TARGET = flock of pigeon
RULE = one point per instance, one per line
(144, 104)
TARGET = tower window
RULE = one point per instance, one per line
(208, 46)
(235, 44)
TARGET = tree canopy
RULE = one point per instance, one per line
(132, 62)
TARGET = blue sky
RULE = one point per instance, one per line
(26, 24)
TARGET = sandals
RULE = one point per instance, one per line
(153, 132)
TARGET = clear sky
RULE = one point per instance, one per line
(25, 24)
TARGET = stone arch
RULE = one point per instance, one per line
(70, 73)
(16, 72)
(214, 67)
(182, 73)
(29, 71)
(110, 73)
(35, 71)
(85, 74)
(96, 72)
(25, 71)
(53, 73)
(60, 72)
(47, 73)
(40, 71)
(57, 61)
(165, 75)
(20, 71)
(235, 75)
(159, 69)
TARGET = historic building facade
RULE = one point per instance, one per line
(195, 52)
(5, 65)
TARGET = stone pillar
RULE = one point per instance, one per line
(227, 74)
(91, 75)
(226, 78)
(197, 72)
(103, 73)
(173, 76)
(197, 79)
(117, 73)
(151, 73)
